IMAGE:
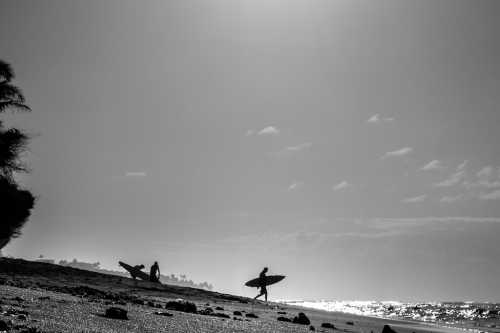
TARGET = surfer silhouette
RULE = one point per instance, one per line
(154, 273)
(263, 289)
(138, 267)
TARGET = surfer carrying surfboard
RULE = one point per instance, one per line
(138, 267)
(262, 284)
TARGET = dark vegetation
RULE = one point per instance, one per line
(16, 202)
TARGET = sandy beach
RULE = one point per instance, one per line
(40, 297)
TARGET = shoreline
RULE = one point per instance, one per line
(397, 320)
(466, 325)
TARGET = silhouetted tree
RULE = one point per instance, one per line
(16, 203)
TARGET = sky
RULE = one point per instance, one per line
(349, 145)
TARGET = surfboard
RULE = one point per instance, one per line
(134, 271)
(270, 279)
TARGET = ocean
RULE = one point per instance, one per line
(458, 314)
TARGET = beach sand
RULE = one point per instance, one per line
(52, 298)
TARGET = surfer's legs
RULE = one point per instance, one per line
(261, 293)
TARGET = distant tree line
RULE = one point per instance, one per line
(182, 280)
(16, 203)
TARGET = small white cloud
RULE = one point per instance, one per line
(433, 165)
(400, 152)
(416, 199)
(450, 199)
(342, 186)
(487, 177)
(485, 173)
(295, 186)
(495, 195)
(269, 130)
(462, 165)
(250, 132)
(376, 119)
(302, 146)
(136, 174)
(454, 179)
(288, 151)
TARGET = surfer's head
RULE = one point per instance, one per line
(265, 269)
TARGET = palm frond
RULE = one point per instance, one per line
(6, 71)
(6, 105)
(10, 92)
(12, 143)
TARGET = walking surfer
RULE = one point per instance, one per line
(262, 282)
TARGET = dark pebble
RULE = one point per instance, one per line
(116, 313)
(181, 306)
(4, 326)
(301, 319)
(221, 315)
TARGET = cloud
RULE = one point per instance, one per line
(416, 199)
(487, 177)
(290, 150)
(269, 130)
(376, 119)
(300, 147)
(342, 186)
(432, 165)
(454, 179)
(391, 223)
(320, 235)
(451, 199)
(485, 172)
(495, 195)
(250, 132)
(295, 186)
(483, 183)
(400, 152)
(136, 174)
(462, 165)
